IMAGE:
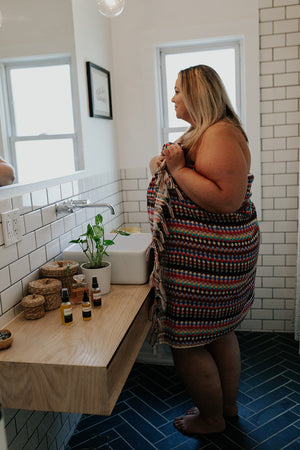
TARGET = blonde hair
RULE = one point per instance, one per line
(206, 101)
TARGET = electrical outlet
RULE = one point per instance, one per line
(11, 227)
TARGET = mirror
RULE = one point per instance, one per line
(33, 29)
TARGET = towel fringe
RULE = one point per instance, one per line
(160, 231)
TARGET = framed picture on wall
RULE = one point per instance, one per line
(98, 82)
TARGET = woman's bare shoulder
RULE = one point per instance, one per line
(225, 142)
(222, 134)
(223, 127)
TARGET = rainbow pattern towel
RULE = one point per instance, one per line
(204, 265)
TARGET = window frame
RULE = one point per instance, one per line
(9, 135)
(214, 44)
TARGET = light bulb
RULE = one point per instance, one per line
(110, 8)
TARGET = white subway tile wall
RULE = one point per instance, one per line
(279, 69)
(134, 186)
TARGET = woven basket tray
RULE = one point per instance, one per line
(50, 288)
(33, 306)
(62, 270)
(4, 343)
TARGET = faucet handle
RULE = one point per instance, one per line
(79, 203)
(65, 206)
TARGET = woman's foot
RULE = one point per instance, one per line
(229, 411)
(191, 411)
(195, 424)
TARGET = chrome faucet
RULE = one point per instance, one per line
(73, 204)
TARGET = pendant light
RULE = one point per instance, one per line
(110, 8)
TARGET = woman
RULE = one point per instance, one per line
(205, 241)
(7, 173)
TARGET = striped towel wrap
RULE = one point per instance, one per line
(204, 265)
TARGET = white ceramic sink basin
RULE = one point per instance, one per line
(129, 264)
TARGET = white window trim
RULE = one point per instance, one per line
(8, 127)
(235, 42)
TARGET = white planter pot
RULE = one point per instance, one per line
(103, 275)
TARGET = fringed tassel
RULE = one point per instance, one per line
(160, 230)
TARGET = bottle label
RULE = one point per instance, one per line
(86, 312)
(68, 316)
(97, 299)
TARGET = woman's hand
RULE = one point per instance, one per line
(155, 163)
(7, 173)
(174, 156)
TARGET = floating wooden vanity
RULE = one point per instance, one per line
(80, 368)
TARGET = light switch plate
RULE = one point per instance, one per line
(11, 227)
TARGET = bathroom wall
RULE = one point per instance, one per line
(279, 94)
(92, 36)
(41, 26)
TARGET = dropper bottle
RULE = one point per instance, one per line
(96, 293)
(86, 307)
(66, 308)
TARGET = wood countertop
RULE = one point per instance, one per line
(79, 368)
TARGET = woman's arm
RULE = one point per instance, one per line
(219, 181)
(7, 173)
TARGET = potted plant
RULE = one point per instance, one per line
(94, 246)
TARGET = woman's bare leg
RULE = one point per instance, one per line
(199, 372)
(226, 353)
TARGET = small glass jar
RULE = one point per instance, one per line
(79, 286)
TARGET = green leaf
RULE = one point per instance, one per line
(98, 230)
(98, 219)
(108, 242)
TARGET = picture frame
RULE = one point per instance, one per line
(99, 91)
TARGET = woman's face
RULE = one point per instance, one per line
(180, 108)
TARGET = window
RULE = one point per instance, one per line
(223, 56)
(40, 119)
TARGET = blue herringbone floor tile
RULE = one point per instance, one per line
(269, 405)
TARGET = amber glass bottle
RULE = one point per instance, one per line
(66, 308)
(96, 293)
(86, 307)
(78, 287)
